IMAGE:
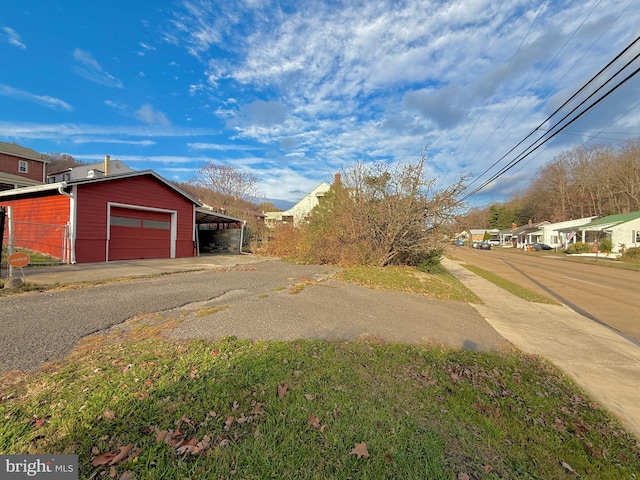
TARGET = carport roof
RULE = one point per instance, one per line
(204, 216)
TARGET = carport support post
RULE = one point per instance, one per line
(10, 243)
(2, 214)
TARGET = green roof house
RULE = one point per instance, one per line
(623, 230)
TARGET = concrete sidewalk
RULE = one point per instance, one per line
(599, 360)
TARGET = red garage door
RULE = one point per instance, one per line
(139, 234)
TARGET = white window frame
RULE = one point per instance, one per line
(23, 166)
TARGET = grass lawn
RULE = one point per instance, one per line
(514, 288)
(443, 285)
(131, 401)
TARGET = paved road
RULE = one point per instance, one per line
(607, 295)
(45, 326)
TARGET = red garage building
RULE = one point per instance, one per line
(119, 217)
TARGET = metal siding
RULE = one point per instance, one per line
(91, 226)
(30, 214)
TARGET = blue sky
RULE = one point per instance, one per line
(294, 91)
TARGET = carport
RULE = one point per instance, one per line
(217, 233)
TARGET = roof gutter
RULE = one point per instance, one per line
(61, 190)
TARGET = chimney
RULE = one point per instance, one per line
(530, 223)
(336, 179)
(107, 159)
(513, 225)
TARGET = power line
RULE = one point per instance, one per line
(537, 78)
(539, 127)
(598, 132)
(526, 153)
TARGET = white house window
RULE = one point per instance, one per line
(23, 167)
(636, 236)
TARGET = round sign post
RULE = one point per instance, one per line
(18, 259)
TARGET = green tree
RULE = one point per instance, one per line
(501, 217)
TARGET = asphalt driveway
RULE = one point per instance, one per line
(257, 304)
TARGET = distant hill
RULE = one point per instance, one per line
(281, 204)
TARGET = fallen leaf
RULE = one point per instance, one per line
(122, 453)
(242, 419)
(140, 395)
(128, 475)
(228, 422)
(313, 421)
(257, 410)
(568, 467)
(282, 390)
(113, 472)
(102, 459)
(360, 450)
(95, 451)
(309, 396)
(109, 415)
(193, 447)
(463, 476)
(388, 458)
(162, 435)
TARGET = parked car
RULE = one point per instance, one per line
(481, 245)
(540, 246)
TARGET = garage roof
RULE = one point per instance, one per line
(85, 181)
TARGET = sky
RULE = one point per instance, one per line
(294, 91)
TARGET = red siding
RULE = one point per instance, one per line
(9, 164)
(91, 220)
(39, 222)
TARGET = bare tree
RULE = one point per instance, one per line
(229, 183)
(383, 214)
(59, 161)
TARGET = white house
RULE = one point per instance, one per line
(561, 233)
(301, 210)
(623, 230)
(94, 170)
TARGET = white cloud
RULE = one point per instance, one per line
(49, 102)
(148, 114)
(140, 143)
(88, 67)
(13, 38)
(69, 131)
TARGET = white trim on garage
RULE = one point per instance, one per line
(174, 223)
